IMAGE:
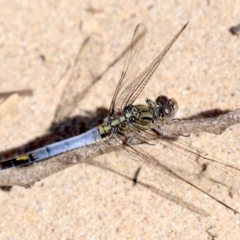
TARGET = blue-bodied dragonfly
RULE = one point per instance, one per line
(123, 118)
(136, 126)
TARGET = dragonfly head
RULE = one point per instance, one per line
(166, 108)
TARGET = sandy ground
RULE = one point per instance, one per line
(39, 41)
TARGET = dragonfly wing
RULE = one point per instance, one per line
(176, 158)
(130, 68)
(129, 95)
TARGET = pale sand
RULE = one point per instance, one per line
(87, 202)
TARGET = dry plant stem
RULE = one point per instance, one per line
(27, 176)
(216, 125)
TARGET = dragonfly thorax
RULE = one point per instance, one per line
(140, 116)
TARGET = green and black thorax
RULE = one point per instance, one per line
(135, 117)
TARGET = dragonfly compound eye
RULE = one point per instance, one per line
(173, 103)
(161, 100)
(168, 112)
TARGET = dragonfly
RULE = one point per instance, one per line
(123, 118)
(138, 129)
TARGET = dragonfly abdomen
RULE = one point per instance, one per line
(90, 137)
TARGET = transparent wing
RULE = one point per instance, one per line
(178, 159)
(130, 68)
(128, 94)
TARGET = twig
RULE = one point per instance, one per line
(27, 176)
(216, 125)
